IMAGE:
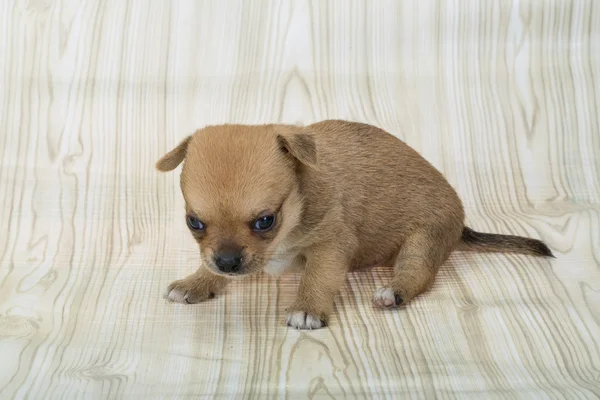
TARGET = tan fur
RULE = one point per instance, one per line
(347, 196)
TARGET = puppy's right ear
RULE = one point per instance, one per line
(172, 159)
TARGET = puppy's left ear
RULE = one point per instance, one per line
(301, 146)
(172, 159)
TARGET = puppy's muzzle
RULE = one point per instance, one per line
(229, 259)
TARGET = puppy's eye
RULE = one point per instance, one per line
(264, 223)
(194, 223)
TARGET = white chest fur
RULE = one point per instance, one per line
(282, 261)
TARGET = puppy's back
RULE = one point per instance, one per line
(383, 186)
(377, 164)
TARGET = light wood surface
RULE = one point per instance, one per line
(502, 96)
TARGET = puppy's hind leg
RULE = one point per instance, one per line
(416, 265)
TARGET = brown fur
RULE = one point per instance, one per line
(346, 195)
(472, 240)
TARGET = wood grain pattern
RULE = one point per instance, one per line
(500, 95)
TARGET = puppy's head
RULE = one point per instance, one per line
(240, 185)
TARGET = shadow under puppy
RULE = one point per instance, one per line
(323, 199)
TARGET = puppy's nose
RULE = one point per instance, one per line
(229, 260)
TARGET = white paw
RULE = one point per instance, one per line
(385, 298)
(176, 295)
(186, 292)
(302, 320)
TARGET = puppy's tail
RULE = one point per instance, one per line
(491, 242)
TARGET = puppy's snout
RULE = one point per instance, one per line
(229, 259)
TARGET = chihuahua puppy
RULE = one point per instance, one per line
(323, 199)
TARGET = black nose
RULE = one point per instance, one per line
(228, 261)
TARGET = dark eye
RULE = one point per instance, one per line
(194, 223)
(264, 224)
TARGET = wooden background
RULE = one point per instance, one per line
(500, 95)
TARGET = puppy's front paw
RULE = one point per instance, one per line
(386, 298)
(188, 291)
(304, 320)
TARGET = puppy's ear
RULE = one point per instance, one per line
(172, 159)
(301, 146)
